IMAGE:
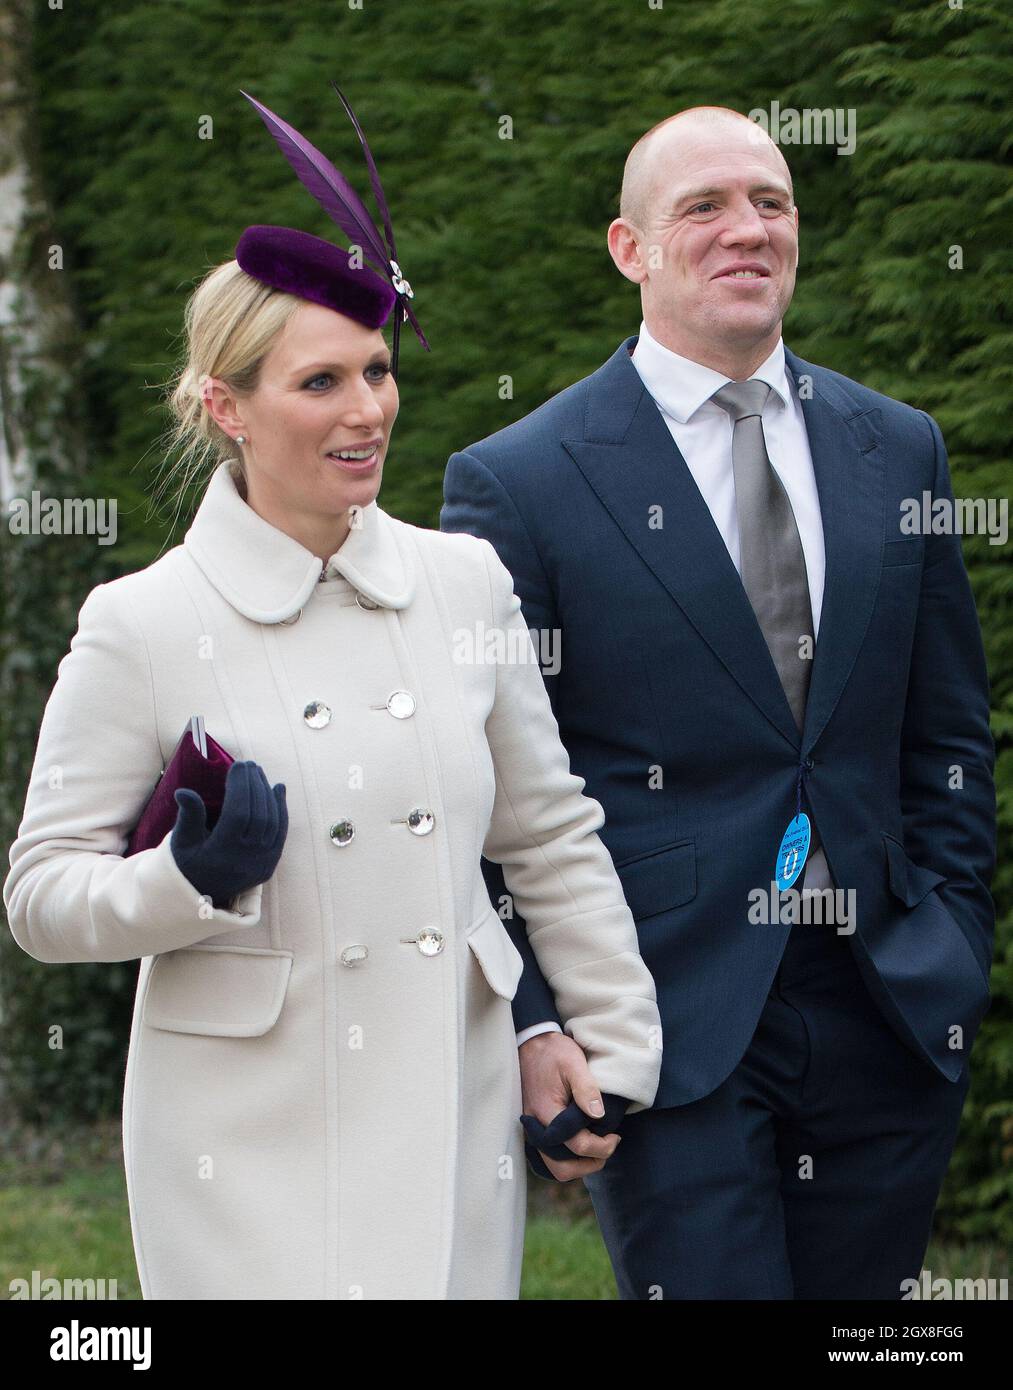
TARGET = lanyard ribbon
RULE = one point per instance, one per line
(798, 789)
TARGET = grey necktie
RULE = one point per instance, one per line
(772, 564)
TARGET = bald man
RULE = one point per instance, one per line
(778, 694)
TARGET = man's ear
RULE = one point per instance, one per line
(798, 247)
(624, 243)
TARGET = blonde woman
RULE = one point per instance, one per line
(322, 1094)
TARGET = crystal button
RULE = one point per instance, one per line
(420, 821)
(429, 941)
(401, 704)
(316, 714)
(365, 602)
(342, 833)
(352, 955)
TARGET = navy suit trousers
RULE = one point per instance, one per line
(811, 1172)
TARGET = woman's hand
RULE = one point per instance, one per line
(245, 845)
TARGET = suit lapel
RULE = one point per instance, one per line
(629, 458)
(844, 442)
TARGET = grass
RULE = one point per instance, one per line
(79, 1228)
(75, 1229)
(63, 1212)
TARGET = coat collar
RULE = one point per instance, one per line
(269, 577)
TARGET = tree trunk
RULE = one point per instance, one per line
(42, 578)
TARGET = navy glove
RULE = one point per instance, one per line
(551, 1138)
(245, 845)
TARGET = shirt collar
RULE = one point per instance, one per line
(681, 386)
(268, 577)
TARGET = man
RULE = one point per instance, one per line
(750, 638)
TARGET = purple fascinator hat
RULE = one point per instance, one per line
(314, 269)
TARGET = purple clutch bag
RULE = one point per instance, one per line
(198, 763)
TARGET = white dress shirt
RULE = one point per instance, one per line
(702, 431)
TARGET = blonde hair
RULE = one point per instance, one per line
(230, 324)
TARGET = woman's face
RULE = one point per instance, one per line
(325, 389)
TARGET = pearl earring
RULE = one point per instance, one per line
(240, 439)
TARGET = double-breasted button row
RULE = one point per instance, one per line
(400, 704)
(429, 941)
(419, 820)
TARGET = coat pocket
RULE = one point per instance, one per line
(908, 881)
(906, 551)
(660, 879)
(223, 991)
(501, 962)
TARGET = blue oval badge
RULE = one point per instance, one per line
(791, 856)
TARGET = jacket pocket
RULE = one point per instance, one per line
(659, 879)
(908, 881)
(223, 991)
(906, 551)
(501, 962)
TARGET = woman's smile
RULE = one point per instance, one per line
(358, 458)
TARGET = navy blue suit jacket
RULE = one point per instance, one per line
(664, 669)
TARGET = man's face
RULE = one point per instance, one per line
(721, 245)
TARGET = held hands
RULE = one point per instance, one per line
(245, 845)
(566, 1139)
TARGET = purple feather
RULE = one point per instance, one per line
(381, 202)
(374, 176)
(409, 314)
(340, 201)
(327, 185)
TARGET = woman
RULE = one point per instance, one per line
(322, 1090)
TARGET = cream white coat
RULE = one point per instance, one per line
(296, 1126)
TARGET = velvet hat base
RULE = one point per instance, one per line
(317, 270)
